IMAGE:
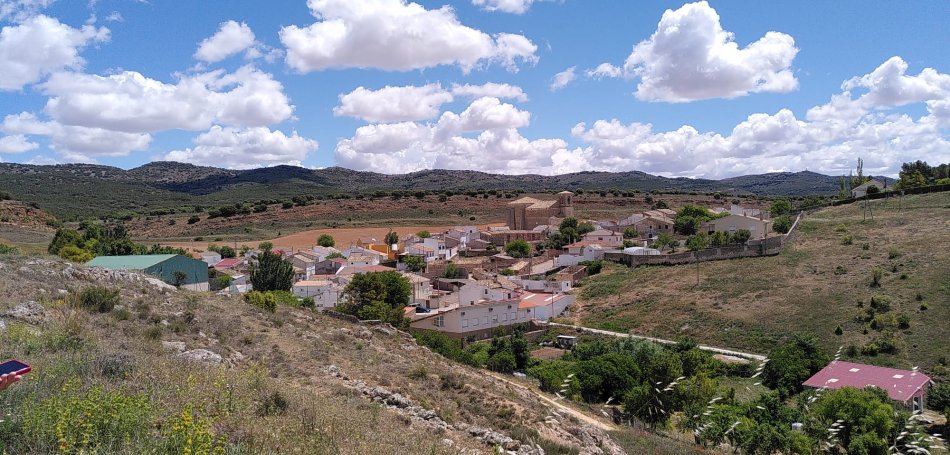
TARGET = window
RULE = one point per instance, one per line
(440, 321)
(504, 317)
(494, 319)
(464, 322)
(475, 321)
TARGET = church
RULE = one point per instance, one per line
(527, 213)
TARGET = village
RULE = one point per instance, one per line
(473, 283)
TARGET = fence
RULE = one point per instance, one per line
(765, 247)
(890, 194)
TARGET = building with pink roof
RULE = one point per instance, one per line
(906, 387)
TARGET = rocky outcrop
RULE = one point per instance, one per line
(31, 312)
(201, 356)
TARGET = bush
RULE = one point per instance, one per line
(782, 224)
(263, 300)
(87, 421)
(194, 219)
(307, 302)
(881, 303)
(7, 249)
(98, 298)
(502, 362)
(418, 372)
(839, 331)
(593, 267)
(847, 239)
(893, 253)
(877, 274)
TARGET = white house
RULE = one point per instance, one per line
(321, 252)
(211, 258)
(759, 227)
(325, 294)
(862, 190)
(604, 236)
(582, 254)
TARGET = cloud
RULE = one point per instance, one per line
(560, 80)
(502, 91)
(604, 70)
(410, 146)
(76, 143)
(17, 10)
(393, 104)
(829, 140)
(505, 6)
(131, 102)
(115, 16)
(231, 38)
(245, 148)
(41, 45)
(16, 143)
(395, 35)
(690, 57)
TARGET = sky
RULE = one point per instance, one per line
(706, 89)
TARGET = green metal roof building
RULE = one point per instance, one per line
(161, 266)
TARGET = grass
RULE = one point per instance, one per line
(811, 287)
(270, 395)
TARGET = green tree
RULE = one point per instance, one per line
(792, 363)
(271, 273)
(392, 238)
(502, 361)
(414, 263)
(518, 249)
(631, 232)
(780, 207)
(265, 246)
(64, 237)
(227, 252)
(520, 350)
(782, 224)
(377, 295)
(741, 236)
(452, 271)
(326, 241)
(179, 277)
(585, 228)
(665, 240)
(423, 234)
(865, 419)
(697, 242)
(719, 238)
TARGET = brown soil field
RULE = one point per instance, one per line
(344, 237)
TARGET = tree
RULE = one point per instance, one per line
(520, 350)
(792, 363)
(741, 236)
(859, 179)
(179, 277)
(665, 240)
(631, 232)
(392, 238)
(414, 263)
(518, 249)
(326, 241)
(873, 189)
(686, 225)
(865, 419)
(452, 271)
(377, 295)
(782, 224)
(585, 227)
(719, 238)
(265, 246)
(227, 252)
(272, 273)
(697, 242)
(780, 207)
(423, 234)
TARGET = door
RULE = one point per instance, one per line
(918, 404)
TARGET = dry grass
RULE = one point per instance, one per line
(813, 286)
(286, 354)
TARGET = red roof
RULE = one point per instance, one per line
(228, 263)
(539, 299)
(900, 385)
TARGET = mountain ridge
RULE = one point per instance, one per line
(65, 188)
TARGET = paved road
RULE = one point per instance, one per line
(562, 408)
(715, 350)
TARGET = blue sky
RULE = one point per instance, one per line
(685, 89)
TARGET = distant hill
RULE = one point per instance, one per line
(72, 190)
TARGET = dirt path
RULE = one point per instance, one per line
(592, 421)
(714, 350)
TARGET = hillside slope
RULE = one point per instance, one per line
(823, 280)
(84, 189)
(168, 365)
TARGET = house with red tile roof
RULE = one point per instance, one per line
(907, 387)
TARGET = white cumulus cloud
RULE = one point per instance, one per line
(560, 80)
(604, 70)
(231, 38)
(393, 104)
(245, 148)
(131, 102)
(16, 143)
(41, 45)
(690, 57)
(395, 35)
(495, 90)
(505, 6)
(77, 143)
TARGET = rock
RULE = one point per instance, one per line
(201, 356)
(30, 312)
(26, 271)
(176, 346)
(3, 326)
(447, 442)
(383, 329)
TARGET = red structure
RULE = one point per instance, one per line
(903, 386)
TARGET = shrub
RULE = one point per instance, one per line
(903, 322)
(99, 298)
(593, 267)
(418, 372)
(307, 302)
(194, 219)
(839, 331)
(782, 224)
(190, 433)
(881, 303)
(263, 300)
(893, 253)
(273, 404)
(87, 421)
(866, 246)
(840, 270)
(877, 274)
(502, 362)
(74, 253)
